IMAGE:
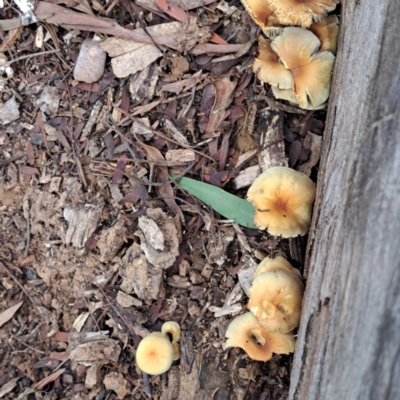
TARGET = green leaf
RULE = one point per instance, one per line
(224, 203)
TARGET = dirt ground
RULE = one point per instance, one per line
(84, 167)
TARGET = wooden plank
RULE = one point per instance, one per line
(349, 337)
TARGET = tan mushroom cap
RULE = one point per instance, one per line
(246, 332)
(327, 32)
(263, 16)
(276, 264)
(155, 354)
(177, 353)
(268, 67)
(301, 12)
(283, 201)
(275, 300)
(311, 71)
(173, 329)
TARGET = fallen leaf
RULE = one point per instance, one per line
(8, 387)
(224, 203)
(6, 315)
(129, 57)
(51, 378)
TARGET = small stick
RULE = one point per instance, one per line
(28, 56)
(16, 281)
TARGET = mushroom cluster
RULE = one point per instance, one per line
(283, 201)
(157, 351)
(296, 65)
(275, 306)
(298, 62)
(270, 15)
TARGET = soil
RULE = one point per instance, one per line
(99, 246)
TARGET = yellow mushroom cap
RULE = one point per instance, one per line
(276, 264)
(327, 32)
(301, 12)
(155, 354)
(268, 67)
(283, 201)
(275, 300)
(246, 332)
(177, 353)
(173, 329)
(311, 71)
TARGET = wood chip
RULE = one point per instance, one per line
(9, 111)
(129, 57)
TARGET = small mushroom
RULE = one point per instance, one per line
(276, 264)
(155, 354)
(283, 201)
(275, 300)
(172, 328)
(327, 32)
(268, 67)
(246, 332)
(301, 12)
(311, 70)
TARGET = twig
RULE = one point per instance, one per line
(17, 282)
(159, 133)
(27, 345)
(76, 158)
(121, 135)
(146, 384)
(279, 106)
(27, 56)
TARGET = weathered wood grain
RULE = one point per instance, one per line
(349, 338)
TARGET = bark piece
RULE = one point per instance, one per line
(178, 157)
(161, 259)
(136, 277)
(247, 176)
(111, 240)
(246, 274)
(96, 350)
(129, 57)
(9, 111)
(118, 383)
(152, 233)
(91, 61)
(271, 140)
(49, 100)
(83, 221)
(126, 301)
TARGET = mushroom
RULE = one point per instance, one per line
(263, 16)
(268, 67)
(275, 300)
(155, 354)
(246, 332)
(172, 328)
(283, 201)
(301, 12)
(276, 264)
(177, 353)
(327, 32)
(311, 70)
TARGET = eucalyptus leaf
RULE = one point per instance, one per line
(224, 203)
